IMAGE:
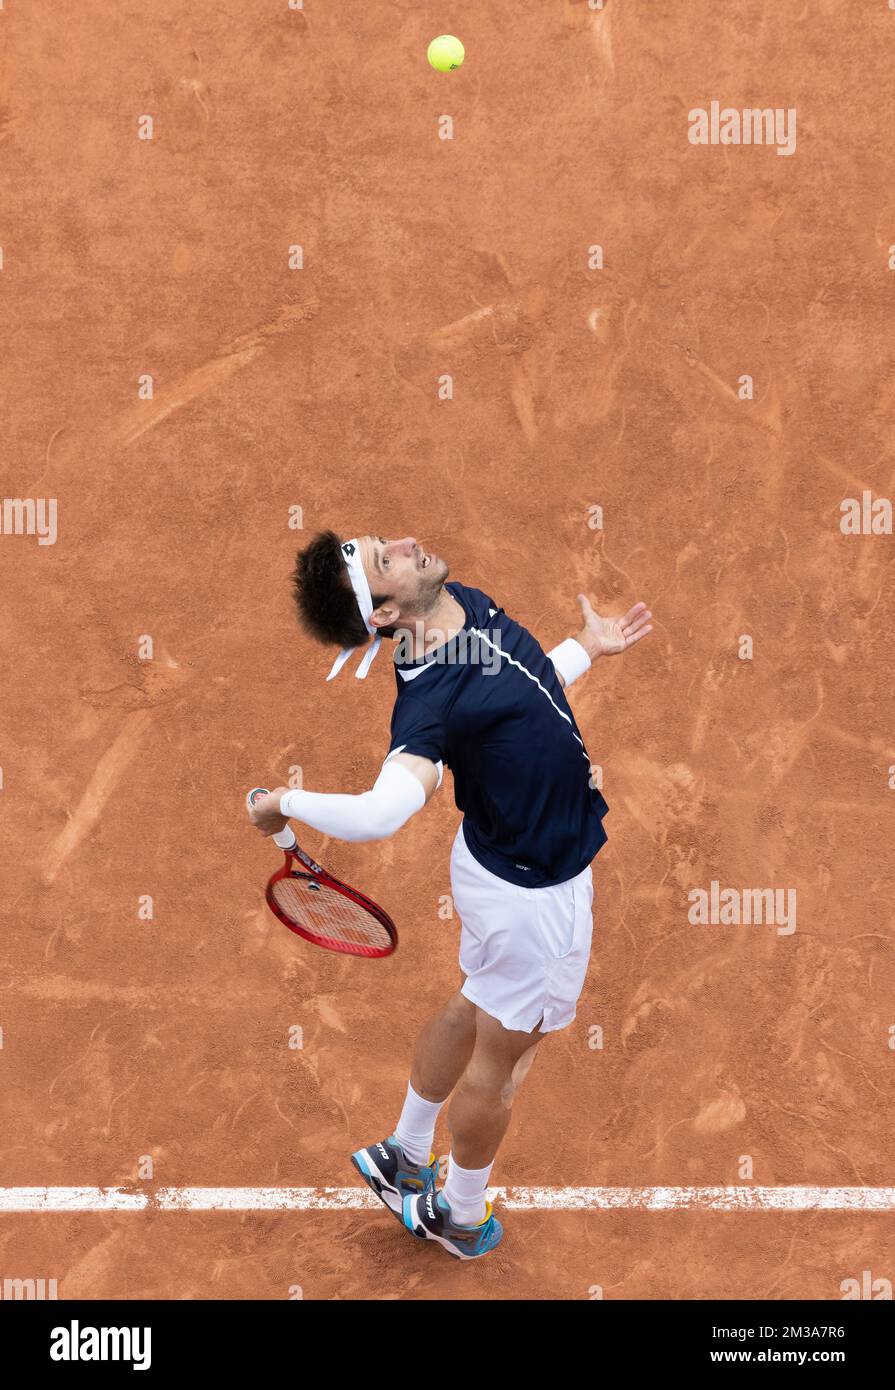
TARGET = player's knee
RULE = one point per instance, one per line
(485, 1079)
(491, 1081)
(460, 1011)
(515, 1078)
(523, 1067)
(508, 1092)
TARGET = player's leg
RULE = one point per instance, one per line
(403, 1164)
(443, 1049)
(483, 1101)
(480, 1113)
(460, 1217)
(524, 953)
(440, 1057)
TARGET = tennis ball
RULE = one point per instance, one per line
(446, 53)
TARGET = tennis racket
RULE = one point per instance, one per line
(326, 912)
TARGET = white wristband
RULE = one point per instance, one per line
(570, 660)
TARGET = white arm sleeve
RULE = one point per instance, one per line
(395, 796)
(570, 660)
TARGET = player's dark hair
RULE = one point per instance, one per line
(327, 607)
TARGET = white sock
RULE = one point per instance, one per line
(465, 1191)
(416, 1127)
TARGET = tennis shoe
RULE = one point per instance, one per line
(428, 1216)
(390, 1174)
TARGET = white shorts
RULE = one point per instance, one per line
(524, 951)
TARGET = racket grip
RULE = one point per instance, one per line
(284, 838)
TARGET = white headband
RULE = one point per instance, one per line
(352, 558)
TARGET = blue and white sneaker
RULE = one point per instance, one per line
(428, 1216)
(392, 1176)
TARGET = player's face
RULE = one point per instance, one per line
(403, 571)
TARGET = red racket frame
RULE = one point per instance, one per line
(319, 875)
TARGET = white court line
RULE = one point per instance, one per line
(739, 1199)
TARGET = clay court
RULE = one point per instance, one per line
(729, 1057)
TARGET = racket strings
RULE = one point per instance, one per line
(328, 913)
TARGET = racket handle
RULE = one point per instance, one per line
(284, 838)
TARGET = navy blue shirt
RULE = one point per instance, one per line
(499, 719)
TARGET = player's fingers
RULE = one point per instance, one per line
(252, 798)
(633, 612)
(636, 636)
(638, 622)
(584, 604)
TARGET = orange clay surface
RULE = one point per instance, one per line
(317, 388)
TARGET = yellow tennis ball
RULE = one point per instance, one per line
(446, 53)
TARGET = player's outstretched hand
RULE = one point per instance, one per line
(609, 636)
(265, 814)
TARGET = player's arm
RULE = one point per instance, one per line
(598, 637)
(402, 788)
